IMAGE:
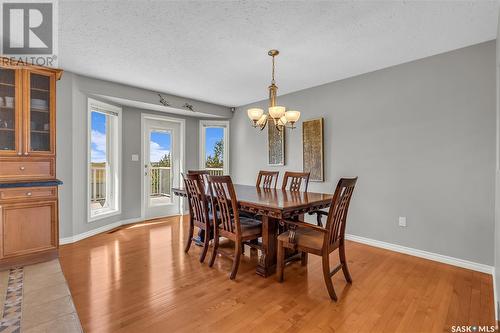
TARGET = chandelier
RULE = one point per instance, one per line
(276, 114)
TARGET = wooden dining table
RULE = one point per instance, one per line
(273, 205)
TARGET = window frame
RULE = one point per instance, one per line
(214, 124)
(114, 149)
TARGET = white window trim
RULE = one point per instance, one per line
(214, 123)
(116, 163)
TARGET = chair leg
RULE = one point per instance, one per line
(190, 236)
(343, 261)
(318, 220)
(236, 262)
(303, 258)
(327, 277)
(280, 261)
(206, 242)
(216, 247)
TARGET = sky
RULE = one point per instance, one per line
(98, 137)
(159, 144)
(212, 136)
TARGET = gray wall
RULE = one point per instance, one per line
(72, 93)
(421, 138)
(497, 183)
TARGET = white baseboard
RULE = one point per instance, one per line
(424, 254)
(83, 235)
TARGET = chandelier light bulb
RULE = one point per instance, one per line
(292, 116)
(283, 121)
(276, 112)
(255, 113)
(262, 120)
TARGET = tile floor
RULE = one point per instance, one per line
(47, 305)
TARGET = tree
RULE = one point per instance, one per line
(216, 161)
(165, 161)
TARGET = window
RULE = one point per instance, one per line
(214, 146)
(104, 151)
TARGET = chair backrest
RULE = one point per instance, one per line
(295, 180)
(224, 199)
(267, 178)
(200, 173)
(337, 216)
(198, 201)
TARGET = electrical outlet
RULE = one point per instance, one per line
(135, 157)
(402, 221)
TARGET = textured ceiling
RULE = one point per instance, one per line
(216, 51)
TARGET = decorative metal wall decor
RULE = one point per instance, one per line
(164, 102)
(312, 149)
(276, 146)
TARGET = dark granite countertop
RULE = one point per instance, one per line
(54, 182)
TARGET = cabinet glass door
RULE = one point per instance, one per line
(40, 115)
(9, 122)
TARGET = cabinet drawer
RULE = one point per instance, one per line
(27, 168)
(25, 193)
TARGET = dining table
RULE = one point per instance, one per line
(272, 206)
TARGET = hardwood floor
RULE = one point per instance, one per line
(138, 279)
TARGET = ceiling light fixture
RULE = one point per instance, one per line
(277, 114)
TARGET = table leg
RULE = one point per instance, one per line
(267, 262)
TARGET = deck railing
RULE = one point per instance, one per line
(98, 183)
(215, 171)
(160, 182)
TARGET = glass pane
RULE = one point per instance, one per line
(7, 109)
(39, 113)
(99, 162)
(214, 150)
(160, 167)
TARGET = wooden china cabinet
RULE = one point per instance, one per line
(28, 184)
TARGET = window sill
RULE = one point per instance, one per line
(104, 213)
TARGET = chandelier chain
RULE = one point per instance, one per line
(272, 81)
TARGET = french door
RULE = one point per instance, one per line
(161, 167)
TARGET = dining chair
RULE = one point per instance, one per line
(267, 178)
(201, 173)
(309, 238)
(229, 223)
(293, 180)
(198, 210)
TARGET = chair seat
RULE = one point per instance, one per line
(305, 237)
(250, 226)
